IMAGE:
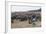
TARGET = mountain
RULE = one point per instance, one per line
(29, 12)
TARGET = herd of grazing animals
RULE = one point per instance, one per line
(25, 18)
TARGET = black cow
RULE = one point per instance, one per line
(12, 18)
(23, 18)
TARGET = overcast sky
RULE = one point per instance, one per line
(23, 8)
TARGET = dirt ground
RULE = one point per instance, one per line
(25, 24)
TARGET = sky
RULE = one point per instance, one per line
(19, 8)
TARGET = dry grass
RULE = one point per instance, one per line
(25, 24)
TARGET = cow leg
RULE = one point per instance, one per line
(30, 22)
(12, 21)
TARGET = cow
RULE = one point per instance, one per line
(12, 19)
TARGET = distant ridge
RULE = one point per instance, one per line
(38, 10)
(28, 12)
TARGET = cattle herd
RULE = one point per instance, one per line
(31, 17)
(25, 18)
